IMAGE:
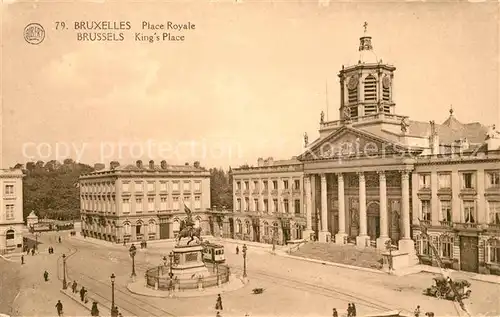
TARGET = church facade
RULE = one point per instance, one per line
(375, 176)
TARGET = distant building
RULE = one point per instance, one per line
(11, 210)
(32, 219)
(136, 202)
(372, 175)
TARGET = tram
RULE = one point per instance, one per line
(213, 253)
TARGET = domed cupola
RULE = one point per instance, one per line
(366, 53)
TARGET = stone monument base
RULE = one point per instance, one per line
(188, 262)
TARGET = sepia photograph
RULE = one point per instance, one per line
(230, 158)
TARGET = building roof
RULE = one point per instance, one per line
(32, 215)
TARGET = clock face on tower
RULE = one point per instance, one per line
(353, 82)
(386, 82)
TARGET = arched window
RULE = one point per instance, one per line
(370, 88)
(126, 228)
(275, 228)
(239, 227)
(266, 228)
(152, 226)
(247, 227)
(138, 227)
(176, 225)
(9, 235)
(197, 221)
(492, 254)
(446, 246)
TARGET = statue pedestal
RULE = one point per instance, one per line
(188, 262)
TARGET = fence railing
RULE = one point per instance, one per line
(158, 277)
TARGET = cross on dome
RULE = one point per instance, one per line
(365, 25)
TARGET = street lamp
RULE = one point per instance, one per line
(170, 274)
(133, 251)
(244, 260)
(65, 285)
(114, 312)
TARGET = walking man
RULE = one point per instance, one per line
(218, 303)
(353, 310)
(95, 310)
(22, 259)
(46, 276)
(59, 307)
(82, 293)
(73, 286)
(349, 310)
(417, 311)
(335, 314)
(237, 250)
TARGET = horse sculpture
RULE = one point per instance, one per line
(189, 232)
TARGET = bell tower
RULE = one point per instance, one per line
(366, 88)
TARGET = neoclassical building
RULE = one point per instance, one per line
(374, 175)
(140, 203)
(11, 210)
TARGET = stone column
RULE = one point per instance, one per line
(362, 238)
(384, 237)
(307, 187)
(261, 195)
(406, 244)
(324, 235)
(340, 236)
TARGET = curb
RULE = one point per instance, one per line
(107, 311)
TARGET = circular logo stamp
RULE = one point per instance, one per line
(34, 33)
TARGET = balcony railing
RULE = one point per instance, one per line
(494, 226)
(465, 225)
(444, 223)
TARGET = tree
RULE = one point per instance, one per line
(221, 190)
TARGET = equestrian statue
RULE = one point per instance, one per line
(187, 229)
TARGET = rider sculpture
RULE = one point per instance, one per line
(187, 229)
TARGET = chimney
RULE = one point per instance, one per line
(113, 165)
(99, 166)
(163, 165)
(260, 162)
(270, 161)
(197, 164)
(151, 165)
(138, 164)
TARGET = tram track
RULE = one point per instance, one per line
(129, 305)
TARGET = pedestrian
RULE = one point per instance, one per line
(59, 307)
(94, 311)
(349, 310)
(218, 303)
(335, 314)
(73, 286)
(22, 259)
(124, 243)
(82, 293)
(59, 239)
(85, 297)
(353, 310)
(429, 314)
(32, 251)
(417, 311)
(46, 276)
(237, 250)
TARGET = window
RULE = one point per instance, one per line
(468, 181)
(176, 226)
(246, 185)
(370, 88)
(9, 212)
(127, 230)
(175, 205)
(275, 184)
(285, 184)
(469, 207)
(238, 185)
(197, 202)
(152, 226)
(256, 185)
(425, 181)
(266, 205)
(175, 186)
(186, 186)
(493, 251)
(238, 204)
(247, 227)
(426, 210)
(126, 187)
(265, 185)
(266, 228)
(163, 186)
(285, 204)
(275, 205)
(423, 247)
(494, 212)
(256, 204)
(296, 184)
(9, 189)
(138, 204)
(445, 210)
(9, 235)
(151, 187)
(163, 203)
(493, 179)
(247, 204)
(197, 186)
(444, 180)
(138, 228)
(297, 206)
(446, 246)
(138, 187)
(239, 227)
(151, 204)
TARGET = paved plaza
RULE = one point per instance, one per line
(292, 287)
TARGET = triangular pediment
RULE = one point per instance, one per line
(351, 142)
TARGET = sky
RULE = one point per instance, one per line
(247, 82)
